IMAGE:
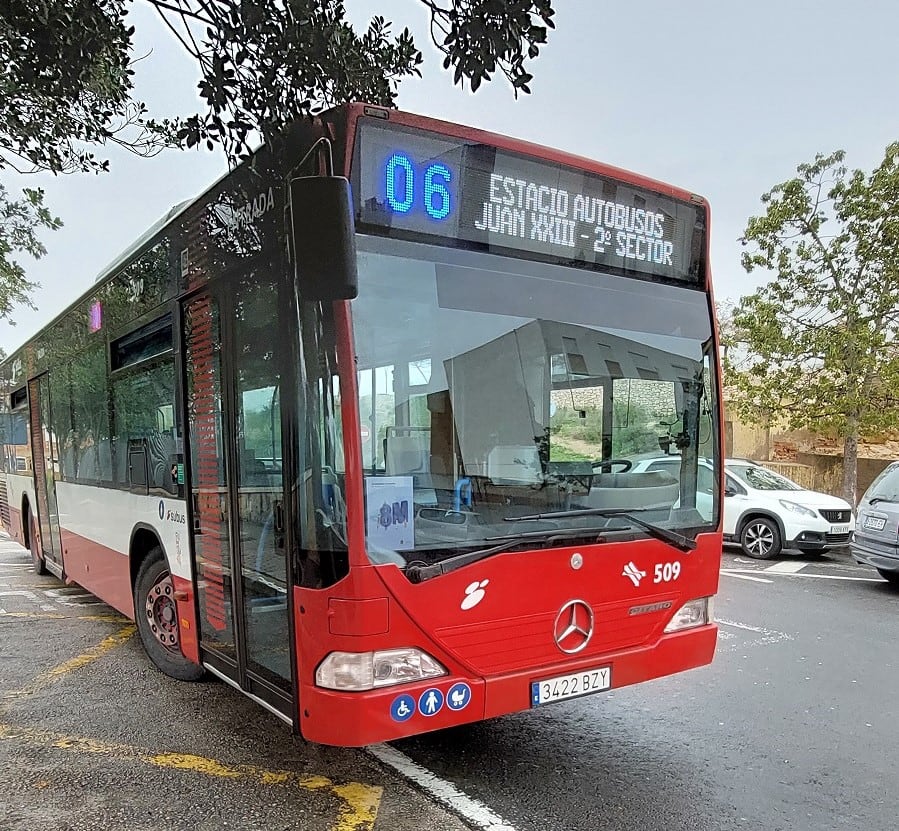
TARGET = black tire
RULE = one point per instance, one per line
(157, 619)
(892, 577)
(38, 566)
(760, 538)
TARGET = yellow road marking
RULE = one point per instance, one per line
(57, 616)
(363, 802)
(87, 657)
(49, 677)
(359, 802)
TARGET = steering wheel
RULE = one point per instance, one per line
(626, 464)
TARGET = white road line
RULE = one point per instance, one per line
(786, 567)
(727, 572)
(734, 572)
(759, 630)
(838, 577)
(447, 794)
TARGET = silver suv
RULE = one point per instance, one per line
(876, 541)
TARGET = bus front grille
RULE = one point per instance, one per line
(506, 645)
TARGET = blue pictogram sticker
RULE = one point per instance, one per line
(458, 696)
(430, 702)
(402, 708)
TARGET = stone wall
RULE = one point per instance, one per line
(652, 396)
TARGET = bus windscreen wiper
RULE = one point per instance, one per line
(679, 541)
(419, 573)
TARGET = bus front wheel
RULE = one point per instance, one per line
(156, 616)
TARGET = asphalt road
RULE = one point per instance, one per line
(794, 726)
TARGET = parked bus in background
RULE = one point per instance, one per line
(353, 430)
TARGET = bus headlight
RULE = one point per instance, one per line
(694, 613)
(356, 671)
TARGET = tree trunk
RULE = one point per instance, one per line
(850, 464)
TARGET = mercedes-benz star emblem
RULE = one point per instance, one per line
(573, 627)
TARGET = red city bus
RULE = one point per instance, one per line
(361, 445)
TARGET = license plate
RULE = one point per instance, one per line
(570, 686)
(875, 523)
(841, 529)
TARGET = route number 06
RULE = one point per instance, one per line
(666, 572)
(400, 175)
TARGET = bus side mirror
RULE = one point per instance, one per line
(324, 238)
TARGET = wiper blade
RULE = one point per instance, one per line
(666, 535)
(420, 573)
(875, 499)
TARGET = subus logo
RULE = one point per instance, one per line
(170, 515)
(474, 594)
(634, 573)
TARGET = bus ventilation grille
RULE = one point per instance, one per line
(4, 504)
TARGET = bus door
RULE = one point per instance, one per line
(45, 458)
(234, 361)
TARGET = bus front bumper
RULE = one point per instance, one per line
(362, 718)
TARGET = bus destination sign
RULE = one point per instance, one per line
(417, 184)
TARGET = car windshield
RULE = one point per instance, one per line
(886, 486)
(491, 388)
(762, 479)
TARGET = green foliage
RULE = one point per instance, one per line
(635, 430)
(65, 83)
(265, 65)
(817, 346)
(20, 220)
(563, 453)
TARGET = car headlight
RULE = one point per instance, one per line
(798, 509)
(693, 613)
(356, 671)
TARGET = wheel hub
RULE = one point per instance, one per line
(161, 613)
(759, 538)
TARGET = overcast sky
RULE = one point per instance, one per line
(720, 100)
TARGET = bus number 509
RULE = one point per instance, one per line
(666, 572)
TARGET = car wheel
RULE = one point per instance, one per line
(157, 620)
(760, 539)
(892, 577)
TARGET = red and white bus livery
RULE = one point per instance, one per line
(355, 430)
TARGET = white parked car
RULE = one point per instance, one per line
(766, 512)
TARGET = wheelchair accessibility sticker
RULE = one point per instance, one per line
(402, 708)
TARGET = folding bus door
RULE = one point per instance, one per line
(234, 368)
(45, 458)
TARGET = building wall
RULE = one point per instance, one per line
(795, 454)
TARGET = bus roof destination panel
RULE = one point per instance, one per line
(416, 184)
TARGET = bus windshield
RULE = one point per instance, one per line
(492, 388)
